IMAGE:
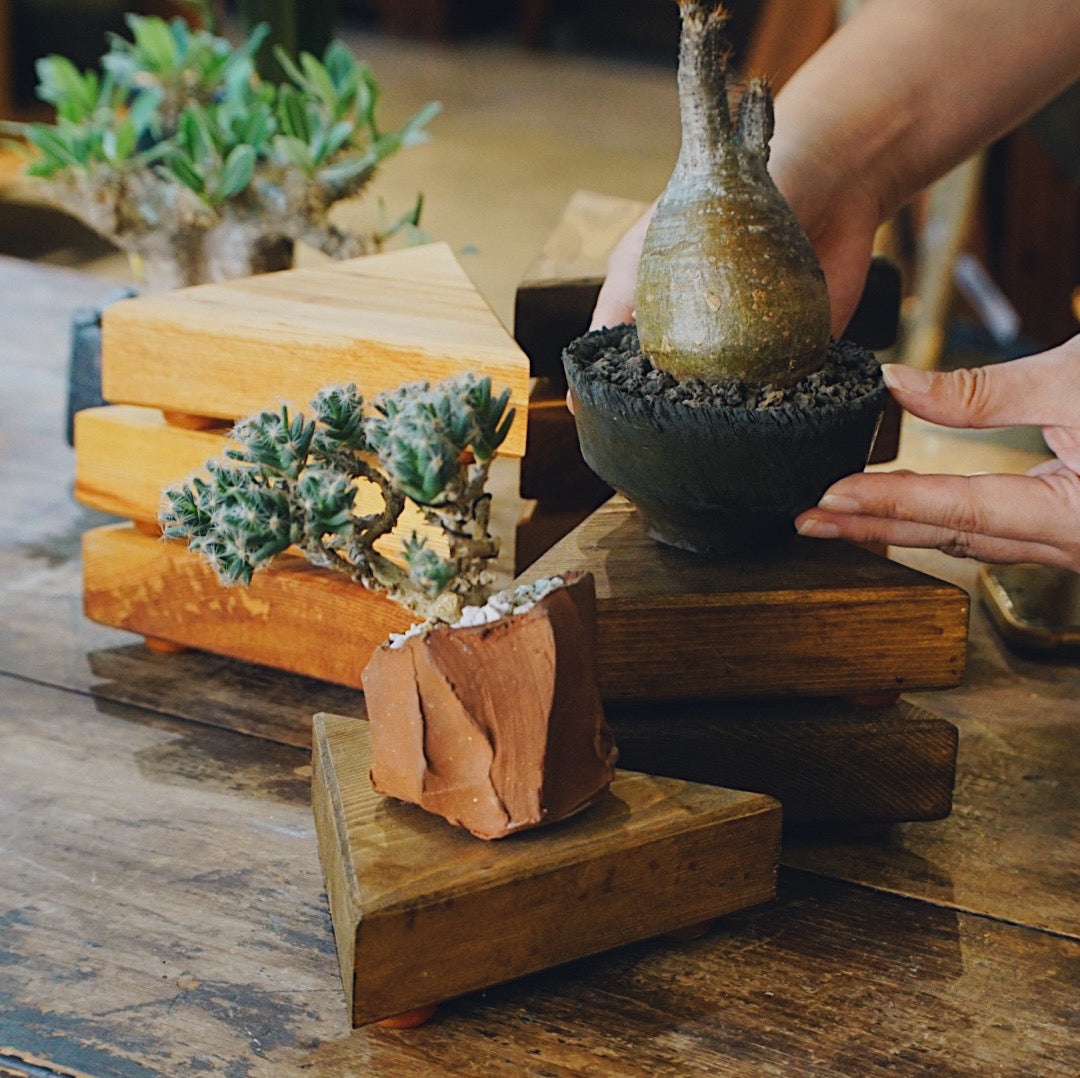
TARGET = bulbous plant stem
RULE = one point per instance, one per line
(728, 285)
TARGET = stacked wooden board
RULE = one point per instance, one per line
(181, 367)
(683, 643)
(423, 912)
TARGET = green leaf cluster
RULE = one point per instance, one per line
(235, 519)
(291, 481)
(189, 106)
(420, 432)
(432, 573)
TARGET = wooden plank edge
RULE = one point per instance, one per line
(158, 589)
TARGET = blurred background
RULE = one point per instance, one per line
(542, 98)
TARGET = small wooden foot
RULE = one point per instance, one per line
(192, 422)
(690, 932)
(409, 1019)
(164, 647)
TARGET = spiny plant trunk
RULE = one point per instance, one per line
(729, 285)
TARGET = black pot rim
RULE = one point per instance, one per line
(658, 412)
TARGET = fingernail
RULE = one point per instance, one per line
(838, 503)
(906, 379)
(818, 529)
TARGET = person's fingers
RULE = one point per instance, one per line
(993, 517)
(570, 407)
(1008, 506)
(615, 303)
(902, 533)
(1048, 467)
(1040, 390)
(1065, 442)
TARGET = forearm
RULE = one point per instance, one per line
(909, 88)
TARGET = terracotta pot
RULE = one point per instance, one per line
(497, 727)
(715, 478)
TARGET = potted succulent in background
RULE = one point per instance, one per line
(488, 712)
(726, 410)
(296, 26)
(181, 156)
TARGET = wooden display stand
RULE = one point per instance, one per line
(424, 912)
(829, 762)
(816, 619)
(184, 365)
(228, 350)
(825, 620)
(807, 619)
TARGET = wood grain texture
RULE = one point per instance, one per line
(160, 903)
(125, 456)
(230, 349)
(826, 761)
(1009, 849)
(291, 616)
(423, 912)
(828, 981)
(810, 619)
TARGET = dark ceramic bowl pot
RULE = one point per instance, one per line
(715, 479)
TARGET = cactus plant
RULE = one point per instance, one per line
(292, 483)
(728, 284)
(178, 153)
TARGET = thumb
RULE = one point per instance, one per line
(1039, 390)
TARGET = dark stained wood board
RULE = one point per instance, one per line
(1009, 848)
(837, 620)
(827, 761)
(423, 912)
(837, 977)
(163, 911)
(808, 618)
(827, 981)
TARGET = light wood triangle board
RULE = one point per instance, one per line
(423, 911)
(229, 349)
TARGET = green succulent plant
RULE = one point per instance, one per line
(292, 483)
(176, 134)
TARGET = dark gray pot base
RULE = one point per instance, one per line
(719, 469)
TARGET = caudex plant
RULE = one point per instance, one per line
(728, 409)
(728, 284)
(177, 141)
(292, 482)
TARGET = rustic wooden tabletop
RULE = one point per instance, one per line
(162, 910)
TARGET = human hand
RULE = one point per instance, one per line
(995, 518)
(615, 303)
(839, 214)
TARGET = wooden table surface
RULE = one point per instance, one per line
(162, 910)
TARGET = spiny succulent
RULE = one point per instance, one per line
(291, 482)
